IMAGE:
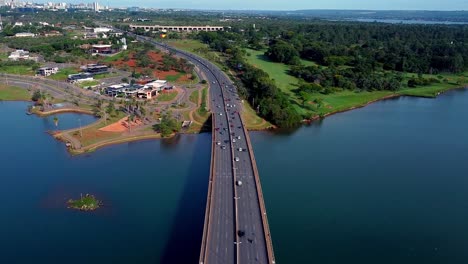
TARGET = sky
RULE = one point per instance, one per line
(295, 4)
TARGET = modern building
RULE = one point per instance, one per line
(102, 49)
(80, 77)
(176, 28)
(47, 71)
(116, 89)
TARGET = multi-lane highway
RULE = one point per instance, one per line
(236, 228)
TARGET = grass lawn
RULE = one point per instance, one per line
(340, 101)
(117, 57)
(17, 69)
(202, 110)
(277, 71)
(174, 78)
(12, 93)
(104, 75)
(166, 97)
(186, 44)
(251, 119)
(194, 97)
(92, 135)
(88, 83)
(62, 74)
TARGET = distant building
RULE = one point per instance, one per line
(96, 69)
(47, 71)
(96, 7)
(101, 30)
(21, 55)
(176, 28)
(25, 35)
(80, 77)
(102, 49)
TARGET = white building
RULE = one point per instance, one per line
(25, 35)
(101, 30)
(19, 55)
(47, 71)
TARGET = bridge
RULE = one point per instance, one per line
(236, 225)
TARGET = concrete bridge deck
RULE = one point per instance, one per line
(236, 226)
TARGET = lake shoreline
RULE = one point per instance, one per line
(387, 97)
(64, 135)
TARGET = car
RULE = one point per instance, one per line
(239, 137)
(237, 159)
(223, 147)
(214, 82)
(241, 149)
(233, 140)
(217, 129)
(238, 183)
(220, 114)
(218, 143)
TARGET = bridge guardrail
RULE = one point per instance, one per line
(266, 228)
(206, 230)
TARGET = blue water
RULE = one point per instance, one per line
(382, 184)
(154, 194)
(407, 21)
(387, 183)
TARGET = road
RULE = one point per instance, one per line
(236, 228)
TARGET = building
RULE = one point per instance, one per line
(176, 28)
(25, 35)
(96, 69)
(80, 77)
(96, 7)
(102, 30)
(116, 89)
(102, 49)
(47, 71)
(21, 55)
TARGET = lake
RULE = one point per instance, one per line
(382, 184)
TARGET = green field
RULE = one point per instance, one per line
(12, 93)
(117, 57)
(62, 74)
(194, 97)
(166, 97)
(88, 83)
(343, 100)
(17, 69)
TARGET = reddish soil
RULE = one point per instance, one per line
(121, 125)
(157, 59)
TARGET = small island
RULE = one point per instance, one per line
(85, 203)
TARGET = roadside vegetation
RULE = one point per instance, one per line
(12, 93)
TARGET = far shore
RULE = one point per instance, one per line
(59, 135)
(317, 117)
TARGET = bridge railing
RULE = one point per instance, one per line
(266, 228)
(206, 229)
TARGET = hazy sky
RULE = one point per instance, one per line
(295, 4)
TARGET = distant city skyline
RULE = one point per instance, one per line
(289, 5)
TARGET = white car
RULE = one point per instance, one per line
(233, 140)
(220, 113)
(239, 137)
(237, 159)
(218, 143)
(240, 149)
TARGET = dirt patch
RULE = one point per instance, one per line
(121, 126)
(157, 57)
